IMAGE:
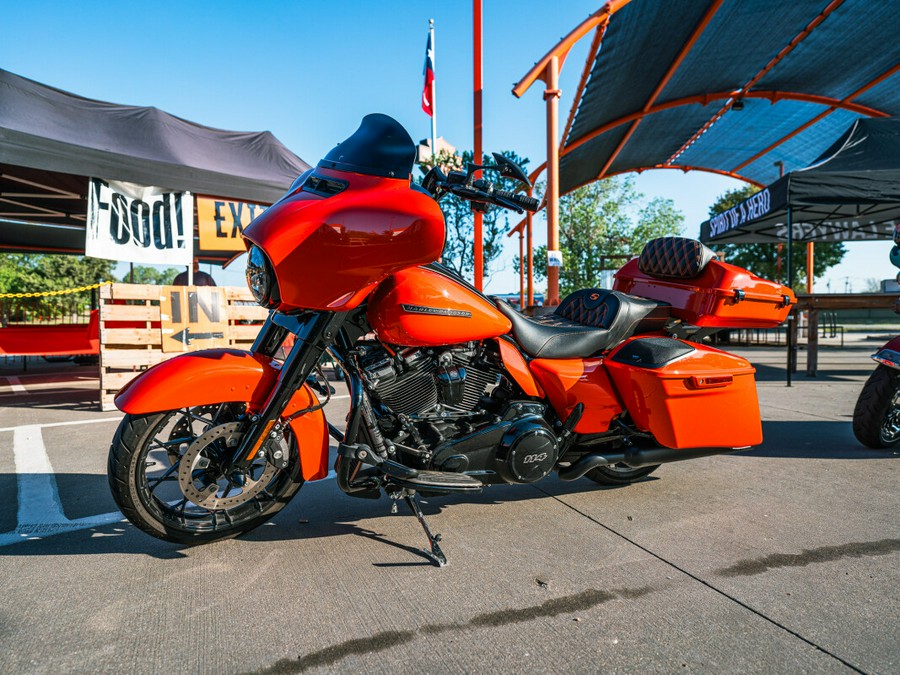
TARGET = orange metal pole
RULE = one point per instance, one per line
(599, 33)
(551, 96)
(521, 271)
(561, 50)
(810, 259)
(675, 167)
(477, 151)
(530, 256)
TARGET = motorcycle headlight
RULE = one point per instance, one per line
(261, 278)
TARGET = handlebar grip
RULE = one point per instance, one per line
(526, 202)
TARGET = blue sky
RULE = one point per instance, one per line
(308, 71)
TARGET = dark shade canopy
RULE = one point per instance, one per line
(851, 192)
(51, 141)
(727, 86)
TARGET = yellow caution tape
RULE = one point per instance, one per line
(44, 294)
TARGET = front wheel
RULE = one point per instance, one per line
(876, 418)
(168, 472)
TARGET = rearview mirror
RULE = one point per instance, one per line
(510, 169)
(433, 180)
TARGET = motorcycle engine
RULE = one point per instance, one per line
(425, 383)
(451, 409)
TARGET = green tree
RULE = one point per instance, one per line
(459, 251)
(28, 272)
(601, 225)
(769, 260)
(36, 273)
(151, 275)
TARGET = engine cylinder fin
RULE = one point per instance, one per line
(411, 394)
(478, 378)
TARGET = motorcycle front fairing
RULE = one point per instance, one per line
(318, 257)
(214, 376)
(349, 224)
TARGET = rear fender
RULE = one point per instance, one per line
(222, 375)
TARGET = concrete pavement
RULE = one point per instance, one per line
(781, 559)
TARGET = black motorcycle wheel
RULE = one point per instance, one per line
(876, 418)
(149, 475)
(619, 474)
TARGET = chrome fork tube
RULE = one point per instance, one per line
(311, 344)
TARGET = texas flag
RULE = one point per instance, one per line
(427, 100)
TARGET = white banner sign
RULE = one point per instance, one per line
(135, 223)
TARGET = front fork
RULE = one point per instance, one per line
(314, 333)
(361, 424)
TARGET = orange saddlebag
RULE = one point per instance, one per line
(687, 395)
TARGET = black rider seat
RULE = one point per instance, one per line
(585, 323)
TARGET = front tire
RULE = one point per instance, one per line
(876, 418)
(149, 483)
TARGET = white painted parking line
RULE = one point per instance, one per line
(54, 392)
(38, 497)
(40, 512)
(65, 424)
(16, 385)
(36, 532)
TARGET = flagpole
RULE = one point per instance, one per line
(433, 91)
(477, 156)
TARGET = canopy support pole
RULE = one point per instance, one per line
(810, 266)
(530, 246)
(792, 315)
(551, 96)
(521, 271)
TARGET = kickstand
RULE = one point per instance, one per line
(435, 555)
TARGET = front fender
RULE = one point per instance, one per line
(889, 355)
(223, 375)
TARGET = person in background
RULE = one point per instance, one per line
(200, 278)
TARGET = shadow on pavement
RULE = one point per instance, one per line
(77, 400)
(769, 373)
(322, 511)
(818, 439)
(319, 511)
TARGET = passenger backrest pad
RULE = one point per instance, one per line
(590, 307)
(674, 258)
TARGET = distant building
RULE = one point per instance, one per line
(424, 151)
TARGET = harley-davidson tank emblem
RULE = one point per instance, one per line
(435, 311)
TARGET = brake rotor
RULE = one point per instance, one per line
(199, 474)
(184, 428)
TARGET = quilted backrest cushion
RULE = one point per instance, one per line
(589, 307)
(674, 258)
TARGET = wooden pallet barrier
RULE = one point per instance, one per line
(141, 325)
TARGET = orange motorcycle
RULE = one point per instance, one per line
(450, 390)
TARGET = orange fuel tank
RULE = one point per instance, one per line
(421, 307)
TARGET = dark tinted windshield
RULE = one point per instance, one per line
(380, 147)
